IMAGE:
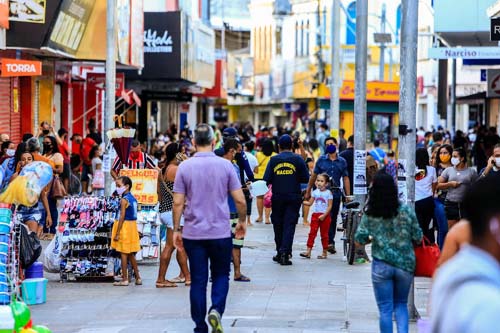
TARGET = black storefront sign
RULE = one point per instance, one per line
(167, 96)
(495, 29)
(162, 47)
(32, 33)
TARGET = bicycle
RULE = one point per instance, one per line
(351, 215)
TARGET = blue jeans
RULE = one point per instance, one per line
(441, 221)
(391, 286)
(200, 252)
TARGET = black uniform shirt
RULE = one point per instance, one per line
(285, 172)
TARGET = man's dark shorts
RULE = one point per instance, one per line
(237, 243)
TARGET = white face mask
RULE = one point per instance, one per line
(455, 161)
(497, 162)
(12, 152)
(120, 190)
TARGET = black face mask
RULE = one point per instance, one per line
(45, 132)
(47, 148)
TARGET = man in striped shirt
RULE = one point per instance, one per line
(136, 160)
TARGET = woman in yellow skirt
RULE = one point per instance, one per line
(125, 237)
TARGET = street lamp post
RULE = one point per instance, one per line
(335, 79)
(110, 77)
(407, 107)
(360, 94)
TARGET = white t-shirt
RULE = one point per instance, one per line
(321, 200)
(423, 187)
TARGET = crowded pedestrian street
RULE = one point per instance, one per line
(253, 166)
(311, 296)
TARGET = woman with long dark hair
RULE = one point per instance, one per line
(165, 192)
(441, 162)
(425, 187)
(51, 152)
(263, 158)
(392, 228)
(456, 179)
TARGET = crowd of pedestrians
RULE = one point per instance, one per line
(453, 180)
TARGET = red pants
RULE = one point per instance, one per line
(316, 224)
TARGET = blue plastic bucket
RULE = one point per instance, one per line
(35, 271)
(4, 298)
(34, 291)
(3, 258)
(4, 238)
(4, 227)
(4, 247)
(3, 268)
(5, 212)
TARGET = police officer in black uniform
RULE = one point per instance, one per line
(285, 172)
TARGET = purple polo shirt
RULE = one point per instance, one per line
(206, 180)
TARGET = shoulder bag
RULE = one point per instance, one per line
(426, 257)
(57, 190)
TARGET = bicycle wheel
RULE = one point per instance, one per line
(351, 252)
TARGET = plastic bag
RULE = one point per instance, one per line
(268, 197)
(30, 249)
(26, 188)
(52, 255)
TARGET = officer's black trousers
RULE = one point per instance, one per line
(284, 216)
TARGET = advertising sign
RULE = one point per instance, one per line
(4, 14)
(493, 80)
(359, 176)
(137, 33)
(145, 182)
(14, 67)
(481, 52)
(32, 11)
(97, 81)
(29, 33)
(162, 46)
(402, 189)
(375, 91)
(70, 25)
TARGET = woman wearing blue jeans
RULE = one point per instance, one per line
(392, 228)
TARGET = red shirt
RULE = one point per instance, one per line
(85, 149)
(64, 150)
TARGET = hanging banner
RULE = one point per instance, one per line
(137, 33)
(144, 184)
(27, 11)
(359, 176)
(123, 20)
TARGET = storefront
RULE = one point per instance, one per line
(382, 111)
(172, 65)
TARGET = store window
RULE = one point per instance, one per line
(378, 127)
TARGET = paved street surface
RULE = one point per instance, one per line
(311, 296)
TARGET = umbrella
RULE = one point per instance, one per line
(121, 138)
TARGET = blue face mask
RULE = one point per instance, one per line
(331, 149)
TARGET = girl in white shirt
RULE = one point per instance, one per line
(425, 187)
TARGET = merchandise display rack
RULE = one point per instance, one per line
(86, 224)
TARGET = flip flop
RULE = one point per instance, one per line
(305, 255)
(242, 278)
(121, 284)
(187, 283)
(178, 280)
(322, 257)
(165, 284)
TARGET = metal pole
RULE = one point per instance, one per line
(335, 66)
(110, 77)
(408, 106)
(360, 84)
(391, 63)
(382, 46)
(453, 96)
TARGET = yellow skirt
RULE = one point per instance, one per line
(128, 240)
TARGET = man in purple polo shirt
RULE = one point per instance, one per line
(203, 184)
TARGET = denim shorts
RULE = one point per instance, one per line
(30, 214)
(167, 219)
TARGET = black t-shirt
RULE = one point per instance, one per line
(285, 172)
